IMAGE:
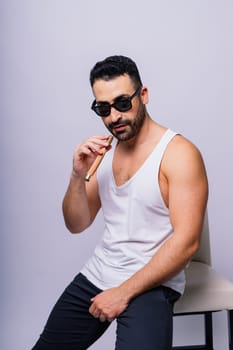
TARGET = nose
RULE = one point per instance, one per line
(115, 114)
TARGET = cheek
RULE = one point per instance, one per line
(106, 121)
(141, 112)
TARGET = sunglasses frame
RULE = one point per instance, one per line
(95, 106)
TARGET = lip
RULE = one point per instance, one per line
(120, 127)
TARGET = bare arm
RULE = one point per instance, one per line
(81, 202)
(185, 191)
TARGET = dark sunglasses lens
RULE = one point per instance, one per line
(103, 110)
(123, 104)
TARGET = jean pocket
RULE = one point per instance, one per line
(171, 295)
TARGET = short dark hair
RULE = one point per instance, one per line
(114, 66)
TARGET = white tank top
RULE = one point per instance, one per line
(136, 219)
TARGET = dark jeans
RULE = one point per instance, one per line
(145, 324)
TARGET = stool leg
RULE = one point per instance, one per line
(209, 331)
(230, 328)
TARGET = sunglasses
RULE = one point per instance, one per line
(121, 104)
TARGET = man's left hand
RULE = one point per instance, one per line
(108, 304)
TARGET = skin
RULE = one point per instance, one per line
(183, 185)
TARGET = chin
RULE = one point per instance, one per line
(125, 137)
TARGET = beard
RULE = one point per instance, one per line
(132, 127)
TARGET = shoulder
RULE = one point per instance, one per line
(182, 158)
(182, 146)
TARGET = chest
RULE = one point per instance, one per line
(127, 166)
(124, 170)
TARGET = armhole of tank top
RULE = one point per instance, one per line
(164, 145)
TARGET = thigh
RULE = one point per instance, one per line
(70, 325)
(148, 321)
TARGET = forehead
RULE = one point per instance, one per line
(108, 90)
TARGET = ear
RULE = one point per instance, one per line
(144, 95)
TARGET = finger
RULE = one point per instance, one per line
(100, 139)
(91, 309)
(102, 318)
(97, 148)
(93, 146)
(94, 311)
(97, 143)
(95, 314)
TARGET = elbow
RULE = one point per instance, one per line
(76, 229)
(75, 225)
(193, 248)
(73, 230)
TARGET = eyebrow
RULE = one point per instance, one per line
(119, 96)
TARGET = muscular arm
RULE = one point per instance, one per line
(185, 191)
(81, 202)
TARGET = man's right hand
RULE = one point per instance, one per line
(86, 152)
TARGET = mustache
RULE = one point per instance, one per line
(119, 123)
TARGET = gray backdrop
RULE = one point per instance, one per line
(184, 50)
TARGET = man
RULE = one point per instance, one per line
(152, 189)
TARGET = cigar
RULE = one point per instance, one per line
(97, 161)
